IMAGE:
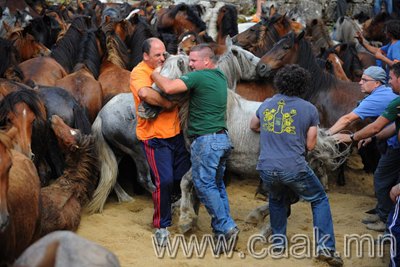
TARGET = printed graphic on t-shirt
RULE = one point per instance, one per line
(276, 121)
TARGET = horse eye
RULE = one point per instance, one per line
(286, 47)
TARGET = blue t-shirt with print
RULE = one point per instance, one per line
(284, 123)
(374, 105)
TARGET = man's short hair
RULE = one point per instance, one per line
(146, 46)
(292, 80)
(206, 49)
(396, 69)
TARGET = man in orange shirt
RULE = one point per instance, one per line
(161, 138)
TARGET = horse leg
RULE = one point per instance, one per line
(121, 194)
(258, 214)
(188, 215)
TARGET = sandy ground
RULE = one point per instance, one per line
(126, 228)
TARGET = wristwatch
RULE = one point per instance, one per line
(352, 137)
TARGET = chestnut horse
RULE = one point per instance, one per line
(62, 201)
(114, 77)
(260, 38)
(226, 23)
(19, 200)
(26, 45)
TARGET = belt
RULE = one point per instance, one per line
(192, 137)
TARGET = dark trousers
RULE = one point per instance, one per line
(169, 161)
(385, 177)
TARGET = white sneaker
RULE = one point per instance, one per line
(162, 235)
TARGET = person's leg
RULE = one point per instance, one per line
(385, 177)
(159, 156)
(309, 188)
(277, 206)
(377, 7)
(389, 6)
(205, 157)
(394, 230)
(341, 7)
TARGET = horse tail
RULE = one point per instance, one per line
(81, 121)
(108, 169)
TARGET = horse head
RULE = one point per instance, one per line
(282, 53)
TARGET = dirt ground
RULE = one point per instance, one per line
(126, 228)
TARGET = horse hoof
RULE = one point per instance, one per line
(266, 230)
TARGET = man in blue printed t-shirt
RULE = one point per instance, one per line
(288, 129)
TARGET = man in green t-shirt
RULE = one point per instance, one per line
(211, 144)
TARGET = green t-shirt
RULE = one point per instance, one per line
(208, 97)
(391, 112)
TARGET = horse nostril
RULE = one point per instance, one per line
(261, 69)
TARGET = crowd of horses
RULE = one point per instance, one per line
(68, 116)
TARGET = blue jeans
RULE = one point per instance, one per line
(208, 155)
(388, 6)
(386, 175)
(308, 187)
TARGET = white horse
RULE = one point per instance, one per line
(244, 156)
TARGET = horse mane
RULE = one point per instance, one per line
(269, 34)
(192, 15)
(134, 42)
(82, 171)
(230, 66)
(117, 52)
(321, 80)
(227, 25)
(9, 56)
(66, 50)
(89, 55)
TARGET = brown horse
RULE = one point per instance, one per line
(260, 38)
(82, 83)
(373, 29)
(19, 200)
(114, 77)
(332, 97)
(317, 34)
(26, 45)
(63, 200)
(47, 70)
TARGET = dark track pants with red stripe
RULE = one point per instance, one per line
(394, 229)
(169, 161)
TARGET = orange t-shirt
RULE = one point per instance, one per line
(166, 124)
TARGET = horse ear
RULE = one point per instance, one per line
(79, 5)
(300, 36)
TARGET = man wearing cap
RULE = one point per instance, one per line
(387, 171)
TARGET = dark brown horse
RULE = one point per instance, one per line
(47, 70)
(332, 97)
(226, 23)
(82, 82)
(373, 29)
(63, 200)
(19, 200)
